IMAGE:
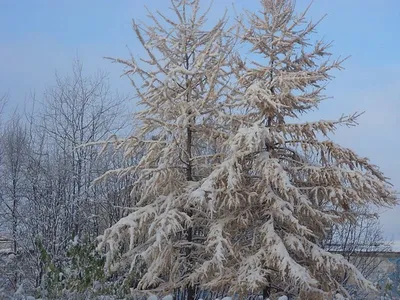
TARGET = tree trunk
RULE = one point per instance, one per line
(266, 292)
(191, 293)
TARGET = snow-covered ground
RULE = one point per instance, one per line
(169, 297)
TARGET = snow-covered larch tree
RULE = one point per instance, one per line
(228, 196)
(182, 84)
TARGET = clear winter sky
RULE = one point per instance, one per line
(38, 37)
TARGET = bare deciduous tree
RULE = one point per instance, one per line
(361, 242)
(80, 109)
(14, 150)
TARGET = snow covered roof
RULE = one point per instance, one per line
(6, 251)
(4, 235)
(358, 248)
(387, 249)
(5, 243)
(395, 246)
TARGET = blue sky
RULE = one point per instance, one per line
(41, 36)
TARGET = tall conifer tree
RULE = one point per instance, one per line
(228, 196)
